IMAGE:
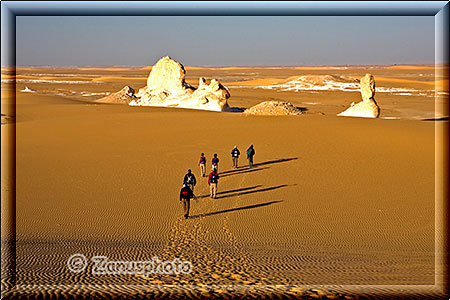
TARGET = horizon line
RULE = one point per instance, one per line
(229, 66)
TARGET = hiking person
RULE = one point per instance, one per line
(212, 181)
(202, 165)
(189, 180)
(250, 154)
(185, 197)
(215, 163)
(235, 156)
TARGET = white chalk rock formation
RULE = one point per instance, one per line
(125, 95)
(28, 90)
(273, 108)
(367, 108)
(166, 86)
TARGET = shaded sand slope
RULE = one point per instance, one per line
(330, 201)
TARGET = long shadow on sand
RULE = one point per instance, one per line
(234, 191)
(269, 162)
(234, 209)
(252, 192)
(241, 171)
(436, 119)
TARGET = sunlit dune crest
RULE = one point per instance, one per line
(411, 67)
(319, 68)
(6, 76)
(118, 78)
(103, 69)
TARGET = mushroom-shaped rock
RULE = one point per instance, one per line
(367, 108)
(167, 74)
(166, 86)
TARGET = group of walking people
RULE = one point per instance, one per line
(189, 180)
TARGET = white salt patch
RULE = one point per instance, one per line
(337, 83)
(88, 94)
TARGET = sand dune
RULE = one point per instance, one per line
(194, 68)
(232, 68)
(400, 80)
(317, 68)
(118, 79)
(70, 78)
(6, 76)
(411, 67)
(438, 85)
(7, 69)
(104, 69)
(46, 78)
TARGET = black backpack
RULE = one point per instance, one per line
(190, 179)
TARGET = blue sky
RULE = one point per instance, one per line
(224, 41)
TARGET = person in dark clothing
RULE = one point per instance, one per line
(202, 165)
(189, 180)
(185, 197)
(215, 163)
(250, 154)
(235, 156)
(213, 179)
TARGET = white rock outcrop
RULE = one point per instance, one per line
(166, 86)
(367, 108)
(125, 95)
(273, 108)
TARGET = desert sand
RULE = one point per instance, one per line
(331, 201)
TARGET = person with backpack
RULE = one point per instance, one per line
(202, 165)
(250, 154)
(215, 163)
(235, 156)
(212, 181)
(189, 180)
(185, 197)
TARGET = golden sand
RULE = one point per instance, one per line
(5, 76)
(331, 200)
(406, 67)
(287, 201)
(119, 79)
(315, 68)
(103, 69)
